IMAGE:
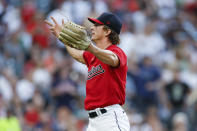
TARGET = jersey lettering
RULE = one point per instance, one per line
(95, 71)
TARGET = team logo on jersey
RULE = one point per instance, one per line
(95, 71)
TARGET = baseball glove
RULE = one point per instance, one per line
(74, 36)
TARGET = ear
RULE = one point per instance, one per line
(107, 32)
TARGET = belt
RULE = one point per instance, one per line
(97, 112)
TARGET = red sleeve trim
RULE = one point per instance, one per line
(121, 56)
(85, 59)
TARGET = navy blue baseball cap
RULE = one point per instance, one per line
(110, 20)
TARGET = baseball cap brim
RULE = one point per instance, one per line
(95, 21)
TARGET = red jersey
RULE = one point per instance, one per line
(105, 84)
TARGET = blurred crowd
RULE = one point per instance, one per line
(43, 89)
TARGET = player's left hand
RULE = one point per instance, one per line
(70, 34)
(75, 35)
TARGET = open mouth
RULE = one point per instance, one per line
(92, 33)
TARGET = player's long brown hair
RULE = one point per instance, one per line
(113, 36)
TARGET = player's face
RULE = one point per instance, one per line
(97, 32)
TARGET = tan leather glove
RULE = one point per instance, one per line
(74, 36)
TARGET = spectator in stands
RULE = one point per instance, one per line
(177, 92)
(146, 78)
(10, 122)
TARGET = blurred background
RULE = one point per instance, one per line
(43, 89)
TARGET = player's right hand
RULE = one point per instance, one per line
(54, 28)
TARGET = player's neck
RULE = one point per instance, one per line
(103, 43)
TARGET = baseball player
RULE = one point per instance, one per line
(107, 69)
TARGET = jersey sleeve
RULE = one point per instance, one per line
(86, 57)
(121, 55)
